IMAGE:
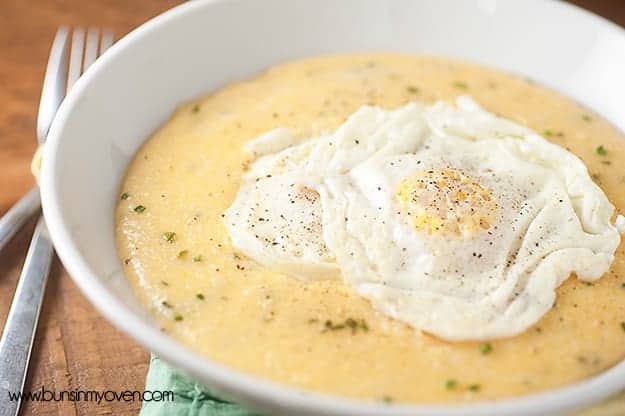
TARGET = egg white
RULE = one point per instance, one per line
(521, 215)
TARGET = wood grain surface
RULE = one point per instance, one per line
(75, 348)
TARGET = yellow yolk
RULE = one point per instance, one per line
(447, 202)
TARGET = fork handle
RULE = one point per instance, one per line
(19, 213)
(17, 339)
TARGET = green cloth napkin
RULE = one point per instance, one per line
(190, 398)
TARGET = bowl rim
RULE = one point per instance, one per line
(238, 384)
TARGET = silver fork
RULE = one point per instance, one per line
(54, 89)
(19, 330)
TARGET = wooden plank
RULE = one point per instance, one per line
(75, 347)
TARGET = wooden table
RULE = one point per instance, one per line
(75, 347)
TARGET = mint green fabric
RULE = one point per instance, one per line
(190, 398)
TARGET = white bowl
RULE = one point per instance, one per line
(201, 45)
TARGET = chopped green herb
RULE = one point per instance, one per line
(125, 195)
(606, 162)
(329, 325)
(601, 151)
(451, 384)
(139, 209)
(169, 236)
(164, 283)
(586, 117)
(197, 258)
(412, 89)
(178, 317)
(548, 133)
(623, 285)
(387, 399)
(474, 387)
(182, 254)
(350, 323)
(195, 109)
(623, 325)
(354, 325)
(166, 304)
(200, 296)
(486, 348)
(461, 85)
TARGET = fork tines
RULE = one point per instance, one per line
(85, 50)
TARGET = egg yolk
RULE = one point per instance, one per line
(447, 202)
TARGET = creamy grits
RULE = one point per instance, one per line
(319, 335)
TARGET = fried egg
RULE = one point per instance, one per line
(459, 223)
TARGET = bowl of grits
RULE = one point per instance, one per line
(357, 207)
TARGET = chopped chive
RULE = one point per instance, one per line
(387, 399)
(548, 133)
(623, 325)
(332, 326)
(486, 348)
(623, 285)
(461, 85)
(200, 296)
(195, 109)
(169, 236)
(474, 387)
(166, 304)
(164, 283)
(601, 151)
(412, 89)
(125, 195)
(178, 317)
(139, 209)
(182, 254)
(586, 117)
(354, 325)
(451, 384)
